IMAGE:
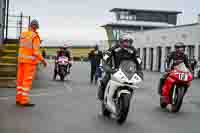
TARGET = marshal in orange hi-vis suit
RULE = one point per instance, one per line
(28, 58)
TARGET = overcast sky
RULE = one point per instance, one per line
(81, 19)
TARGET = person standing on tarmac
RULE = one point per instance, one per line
(94, 57)
(28, 58)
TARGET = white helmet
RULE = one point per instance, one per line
(126, 37)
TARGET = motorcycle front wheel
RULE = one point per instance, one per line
(62, 77)
(177, 95)
(124, 103)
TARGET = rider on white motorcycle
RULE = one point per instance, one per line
(112, 58)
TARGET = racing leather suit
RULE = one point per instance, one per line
(173, 59)
(112, 60)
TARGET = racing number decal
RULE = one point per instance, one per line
(182, 76)
(136, 78)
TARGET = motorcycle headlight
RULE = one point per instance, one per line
(119, 77)
(136, 79)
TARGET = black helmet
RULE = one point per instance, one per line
(179, 45)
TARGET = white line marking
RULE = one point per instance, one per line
(36, 95)
(40, 93)
(4, 98)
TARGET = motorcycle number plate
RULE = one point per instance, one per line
(183, 76)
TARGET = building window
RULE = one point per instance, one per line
(119, 34)
(126, 16)
(114, 34)
(132, 17)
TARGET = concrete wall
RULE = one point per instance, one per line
(164, 38)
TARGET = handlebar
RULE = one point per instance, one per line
(114, 70)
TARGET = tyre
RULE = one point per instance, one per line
(124, 102)
(198, 75)
(62, 77)
(105, 111)
(162, 103)
(178, 99)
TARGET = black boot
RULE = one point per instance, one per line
(101, 92)
(160, 86)
(54, 74)
(25, 105)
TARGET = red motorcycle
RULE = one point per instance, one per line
(175, 87)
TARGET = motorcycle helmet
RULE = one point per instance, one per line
(126, 40)
(35, 22)
(180, 47)
(65, 46)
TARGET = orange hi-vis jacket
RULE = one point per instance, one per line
(29, 48)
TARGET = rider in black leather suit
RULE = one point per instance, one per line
(176, 57)
(112, 58)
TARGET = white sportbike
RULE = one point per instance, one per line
(119, 91)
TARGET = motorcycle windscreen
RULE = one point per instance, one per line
(63, 60)
(182, 67)
(128, 67)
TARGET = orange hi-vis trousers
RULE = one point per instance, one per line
(25, 76)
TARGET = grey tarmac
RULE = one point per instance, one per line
(72, 107)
